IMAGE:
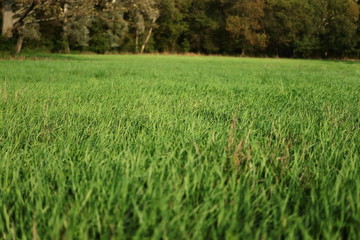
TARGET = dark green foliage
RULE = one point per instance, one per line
(339, 37)
(99, 39)
(287, 28)
(292, 27)
(202, 19)
(7, 45)
(172, 25)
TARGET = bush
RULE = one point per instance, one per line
(7, 44)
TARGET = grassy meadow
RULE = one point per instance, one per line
(179, 147)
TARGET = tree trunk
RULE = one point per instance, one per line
(146, 40)
(173, 46)
(243, 52)
(7, 21)
(148, 36)
(66, 41)
(65, 33)
(67, 47)
(19, 44)
(137, 40)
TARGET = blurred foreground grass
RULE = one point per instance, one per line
(167, 147)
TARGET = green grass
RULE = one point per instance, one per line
(166, 147)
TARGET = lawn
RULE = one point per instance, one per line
(179, 147)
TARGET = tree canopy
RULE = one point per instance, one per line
(287, 28)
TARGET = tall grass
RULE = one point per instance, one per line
(154, 147)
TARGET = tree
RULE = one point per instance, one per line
(293, 26)
(108, 27)
(142, 16)
(22, 18)
(340, 25)
(14, 14)
(290, 28)
(172, 25)
(203, 20)
(75, 17)
(28, 30)
(244, 22)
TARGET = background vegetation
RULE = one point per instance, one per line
(286, 28)
(155, 147)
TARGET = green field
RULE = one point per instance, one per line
(179, 147)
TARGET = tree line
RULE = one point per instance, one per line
(285, 28)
